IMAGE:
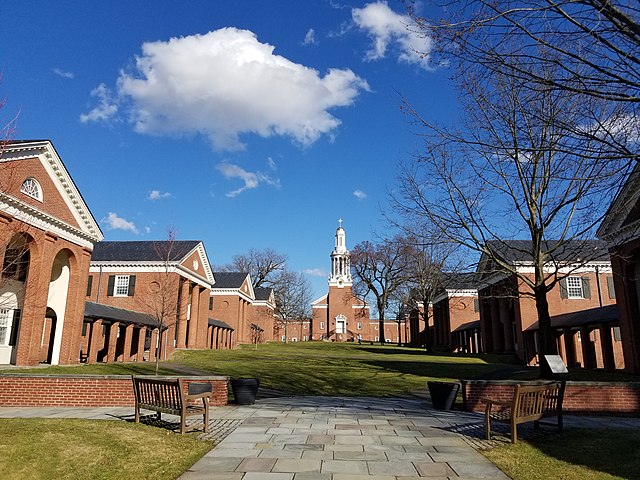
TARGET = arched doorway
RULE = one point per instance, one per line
(14, 260)
(57, 302)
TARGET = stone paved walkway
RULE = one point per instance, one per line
(328, 438)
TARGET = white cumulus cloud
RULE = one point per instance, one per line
(360, 195)
(106, 108)
(251, 179)
(226, 84)
(158, 195)
(114, 222)
(387, 28)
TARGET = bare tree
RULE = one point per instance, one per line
(592, 46)
(293, 297)
(428, 255)
(511, 169)
(379, 270)
(263, 265)
(162, 302)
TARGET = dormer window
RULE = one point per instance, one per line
(32, 188)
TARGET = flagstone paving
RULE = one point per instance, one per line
(329, 438)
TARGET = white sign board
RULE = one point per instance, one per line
(556, 364)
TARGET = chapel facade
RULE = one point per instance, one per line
(339, 315)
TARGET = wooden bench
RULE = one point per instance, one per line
(168, 396)
(530, 403)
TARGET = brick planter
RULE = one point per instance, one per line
(20, 390)
(580, 398)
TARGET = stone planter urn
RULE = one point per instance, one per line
(443, 394)
(245, 390)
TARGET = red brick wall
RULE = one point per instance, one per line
(580, 398)
(84, 390)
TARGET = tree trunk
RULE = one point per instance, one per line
(427, 333)
(381, 325)
(545, 333)
(158, 350)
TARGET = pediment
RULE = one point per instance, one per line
(62, 208)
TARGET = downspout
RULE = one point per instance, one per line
(598, 284)
(99, 284)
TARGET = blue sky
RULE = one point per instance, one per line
(245, 124)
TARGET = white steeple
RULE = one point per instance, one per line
(340, 263)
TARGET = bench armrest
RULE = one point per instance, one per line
(195, 396)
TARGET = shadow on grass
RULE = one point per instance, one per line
(609, 451)
(451, 371)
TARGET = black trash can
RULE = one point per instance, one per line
(245, 390)
(443, 394)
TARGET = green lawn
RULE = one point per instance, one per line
(576, 454)
(324, 368)
(93, 449)
(146, 368)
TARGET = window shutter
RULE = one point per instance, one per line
(564, 293)
(15, 327)
(586, 287)
(112, 281)
(476, 305)
(612, 289)
(132, 285)
(89, 285)
(210, 303)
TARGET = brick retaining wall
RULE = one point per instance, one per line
(20, 390)
(582, 398)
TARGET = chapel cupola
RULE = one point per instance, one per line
(340, 263)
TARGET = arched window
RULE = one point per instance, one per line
(32, 188)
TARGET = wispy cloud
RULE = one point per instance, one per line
(251, 179)
(63, 73)
(391, 30)
(106, 108)
(158, 195)
(114, 222)
(272, 164)
(315, 272)
(310, 37)
(360, 195)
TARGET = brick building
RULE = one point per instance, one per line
(621, 230)
(338, 314)
(456, 314)
(47, 234)
(586, 333)
(167, 282)
(341, 316)
(248, 310)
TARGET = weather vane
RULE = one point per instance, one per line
(340, 222)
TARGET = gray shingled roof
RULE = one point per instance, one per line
(606, 314)
(467, 326)
(107, 312)
(513, 251)
(141, 251)
(229, 279)
(461, 280)
(262, 293)
(218, 323)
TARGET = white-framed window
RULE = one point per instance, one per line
(294, 339)
(121, 286)
(32, 188)
(321, 325)
(284, 338)
(304, 326)
(6, 316)
(375, 327)
(304, 339)
(574, 287)
(376, 339)
(359, 326)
